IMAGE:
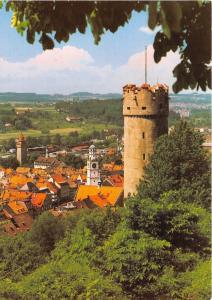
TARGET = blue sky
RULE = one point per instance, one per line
(80, 65)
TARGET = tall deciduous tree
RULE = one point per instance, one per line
(179, 162)
(185, 26)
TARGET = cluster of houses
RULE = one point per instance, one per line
(27, 192)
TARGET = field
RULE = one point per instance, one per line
(36, 133)
(46, 118)
(42, 119)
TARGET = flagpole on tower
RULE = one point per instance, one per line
(145, 64)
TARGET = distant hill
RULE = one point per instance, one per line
(87, 95)
(33, 97)
(198, 98)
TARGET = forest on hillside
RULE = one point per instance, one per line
(106, 111)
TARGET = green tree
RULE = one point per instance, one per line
(178, 162)
(74, 161)
(32, 157)
(184, 225)
(10, 162)
(10, 144)
(19, 256)
(46, 231)
(135, 260)
(56, 139)
(198, 282)
(185, 26)
(23, 123)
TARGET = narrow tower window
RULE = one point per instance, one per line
(143, 107)
(143, 156)
(143, 135)
(128, 108)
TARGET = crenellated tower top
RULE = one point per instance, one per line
(145, 100)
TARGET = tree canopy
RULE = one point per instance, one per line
(178, 163)
(185, 26)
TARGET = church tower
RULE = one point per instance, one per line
(21, 149)
(145, 111)
(93, 173)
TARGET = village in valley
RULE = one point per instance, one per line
(105, 150)
(51, 185)
(96, 180)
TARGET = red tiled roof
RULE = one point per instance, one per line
(38, 199)
(101, 196)
(116, 180)
(17, 207)
(59, 178)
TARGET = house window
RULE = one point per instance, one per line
(143, 107)
(128, 108)
(143, 156)
(143, 135)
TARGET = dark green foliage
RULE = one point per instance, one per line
(19, 256)
(46, 231)
(73, 161)
(22, 123)
(11, 144)
(31, 158)
(65, 280)
(10, 162)
(201, 118)
(57, 139)
(178, 162)
(103, 111)
(105, 255)
(172, 220)
(173, 118)
(134, 260)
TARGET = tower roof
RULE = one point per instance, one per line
(21, 137)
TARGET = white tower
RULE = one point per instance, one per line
(93, 173)
(47, 152)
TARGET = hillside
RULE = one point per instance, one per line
(33, 97)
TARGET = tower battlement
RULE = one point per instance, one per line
(145, 100)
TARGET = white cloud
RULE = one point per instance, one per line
(72, 69)
(147, 30)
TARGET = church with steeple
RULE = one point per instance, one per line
(93, 172)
